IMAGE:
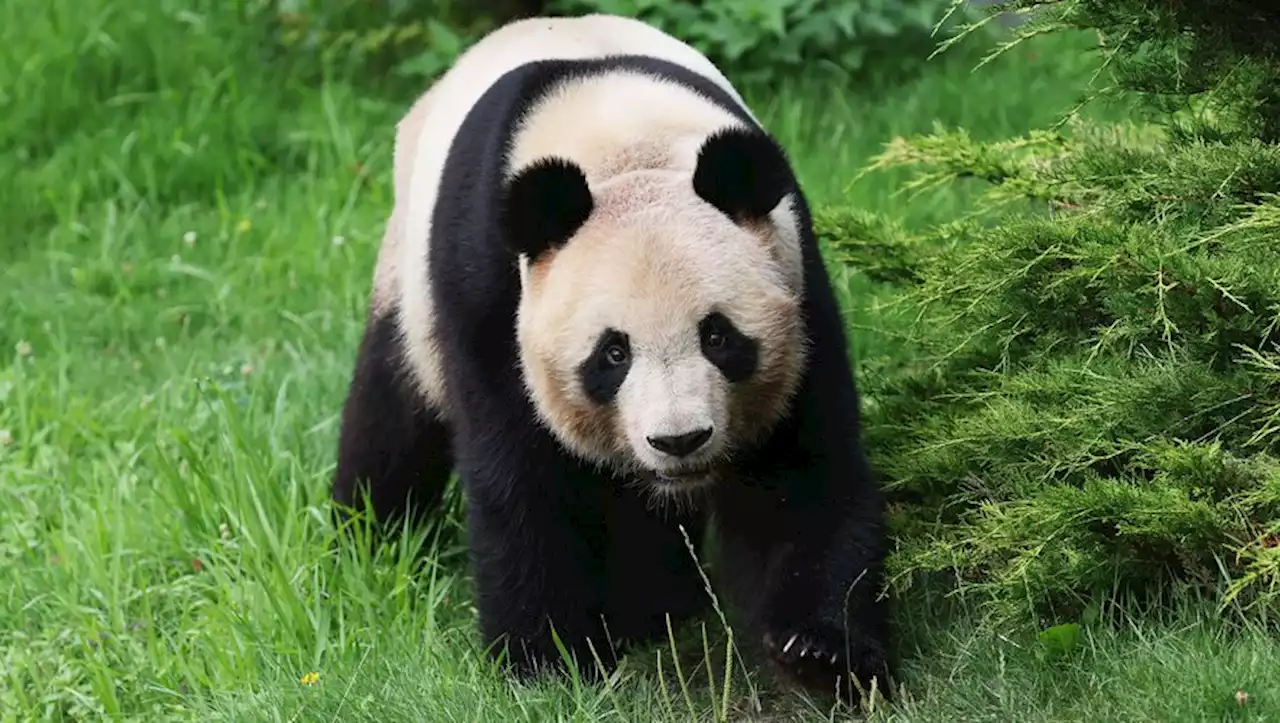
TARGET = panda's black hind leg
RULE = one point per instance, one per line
(392, 447)
(652, 572)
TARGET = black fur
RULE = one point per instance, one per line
(744, 173)
(544, 204)
(388, 436)
(737, 355)
(600, 375)
(552, 539)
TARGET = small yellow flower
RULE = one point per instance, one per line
(244, 225)
(310, 678)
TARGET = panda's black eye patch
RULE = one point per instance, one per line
(604, 370)
(735, 354)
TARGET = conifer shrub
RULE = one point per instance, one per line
(1092, 405)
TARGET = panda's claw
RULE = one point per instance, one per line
(822, 660)
(790, 642)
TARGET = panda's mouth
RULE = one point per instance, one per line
(684, 479)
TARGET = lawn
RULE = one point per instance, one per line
(190, 234)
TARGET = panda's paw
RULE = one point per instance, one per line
(828, 661)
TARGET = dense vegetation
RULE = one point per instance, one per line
(754, 40)
(1093, 406)
(760, 39)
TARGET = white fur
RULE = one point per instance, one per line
(671, 390)
(636, 121)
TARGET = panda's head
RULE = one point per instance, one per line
(659, 324)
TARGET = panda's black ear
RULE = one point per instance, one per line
(743, 172)
(543, 205)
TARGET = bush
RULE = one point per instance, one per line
(1095, 408)
(752, 39)
(767, 39)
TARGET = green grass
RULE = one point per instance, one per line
(190, 232)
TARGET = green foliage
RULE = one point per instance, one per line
(753, 39)
(1095, 404)
(1223, 49)
(879, 248)
(1060, 640)
(412, 39)
(768, 39)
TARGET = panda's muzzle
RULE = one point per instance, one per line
(684, 467)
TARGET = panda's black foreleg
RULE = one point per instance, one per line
(392, 448)
(804, 535)
(535, 536)
(803, 548)
(652, 572)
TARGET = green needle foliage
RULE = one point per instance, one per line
(1093, 410)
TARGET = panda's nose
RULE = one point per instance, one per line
(681, 445)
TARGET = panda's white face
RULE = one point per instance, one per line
(662, 336)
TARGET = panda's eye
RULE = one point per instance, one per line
(715, 340)
(615, 354)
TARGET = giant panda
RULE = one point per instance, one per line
(599, 300)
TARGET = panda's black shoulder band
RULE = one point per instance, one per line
(742, 172)
(543, 205)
